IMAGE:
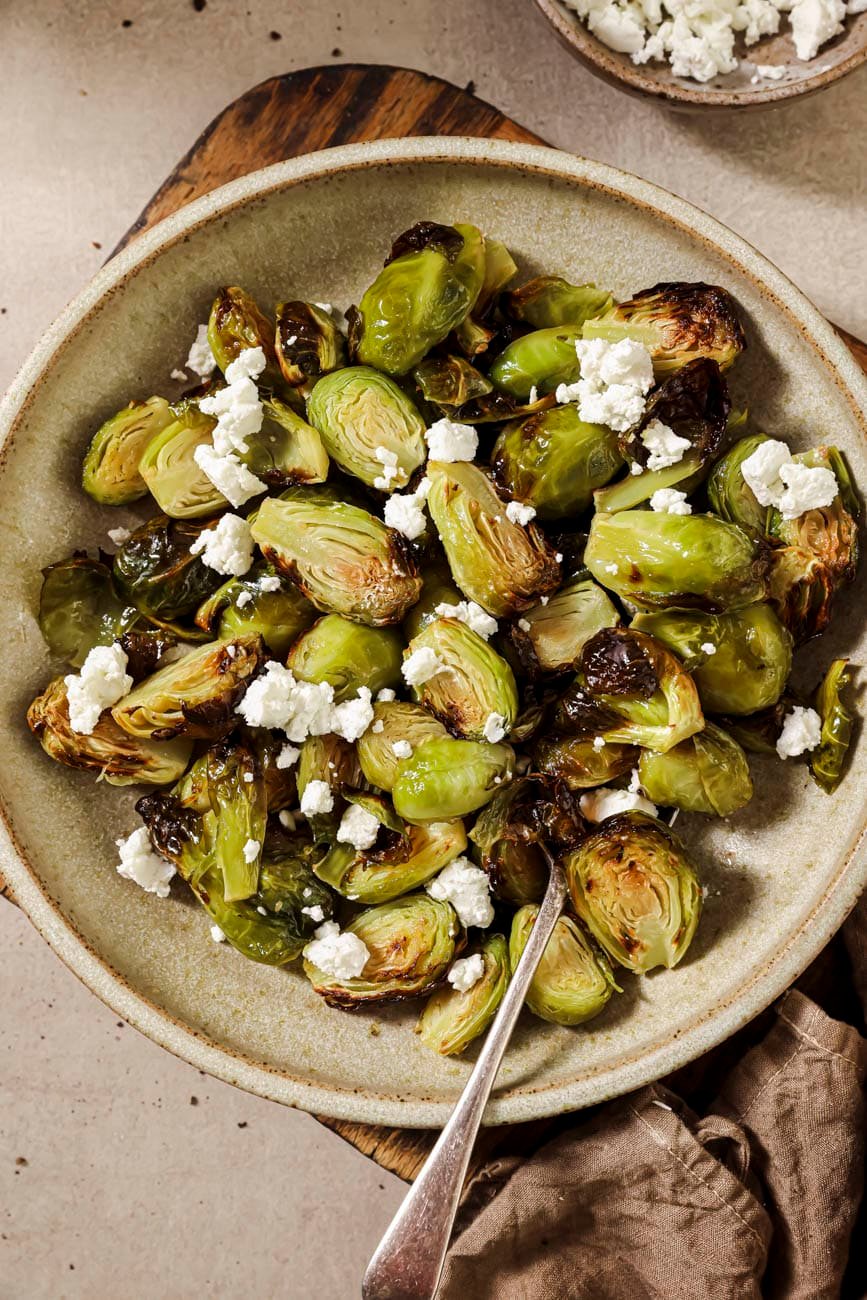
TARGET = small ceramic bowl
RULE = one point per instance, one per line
(736, 89)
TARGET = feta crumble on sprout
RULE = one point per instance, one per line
(101, 681)
(467, 611)
(466, 972)
(519, 513)
(317, 798)
(596, 805)
(420, 666)
(358, 827)
(466, 888)
(139, 863)
(343, 956)
(448, 440)
(669, 501)
(227, 547)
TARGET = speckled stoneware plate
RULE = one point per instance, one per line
(781, 876)
(839, 57)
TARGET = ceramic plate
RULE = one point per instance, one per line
(780, 876)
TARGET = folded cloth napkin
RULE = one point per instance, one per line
(647, 1200)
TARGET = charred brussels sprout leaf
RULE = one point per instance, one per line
(452, 1019)
(450, 381)
(287, 884)
(430, 283)
(730, 495)
(155, 571)
(113, 755)
(828, 759)
(409, 723)
(580, 764)
(554, 461)
(168, 466)
(473, 334)
(245, 606)
(308, 343)
(347, 655)
(573, 981)
(708, 773)
(636, 890)
(526, 812)
(447, 778)
(196, 696)
(286, 449)
(549, 301)
(145, 649)
(411, 942)
(549, 638)
(473, 683)
(343, 559)
(110, 473)
(79, 608)
(398, 862)
(740, 661)
(676, 322)
(237, 794)
(690, 561)
(501, 565)
(235, 324)
(541, 360)
(368, 425)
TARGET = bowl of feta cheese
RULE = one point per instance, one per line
(715, 53)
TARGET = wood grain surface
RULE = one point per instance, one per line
(313, 109)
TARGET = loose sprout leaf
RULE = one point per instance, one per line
(828, 759)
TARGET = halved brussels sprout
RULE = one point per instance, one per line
(286, 449)
(450, 778)
(729, 494)
(113, 755)
(331, 759)
(169, 468)
(526, 812)
(580, 764)
(308, 343)
(473, 683)
(542, 360)
(235, 324)
(368, 425)
(549, 301)
(549, 638)
(195, 696)
(343, 559)
(155, 571)
(407, 723)
(79, 608)
(450, 381)
(438, 588)
(691, 561)
(554, 460)
(631, 690)
(676, 322)
(110, 473)
(708, 773)
(287, 883)
(740, 661)
(411, 942)
(280, 787)
(828, 759)
(248, 605)
(473, 334)
(636, 890)
(347, 655)
(573, 981)
(237, 794)
(501, 565)
(452, 1018)
(399, 862)
(424, 291)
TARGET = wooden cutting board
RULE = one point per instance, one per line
(299, 113)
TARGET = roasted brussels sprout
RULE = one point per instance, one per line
(549, 638)
(424, 291)
(573, 981)
(155, 571)
(169, 467)
(196, 696)
(411, 942)
(501, 565)
(730, 495)
(473, 335)
(257, 603)
(236, 323)
(191, 791)
(676, 322)
(708, 773)
(508, 832)
(437, 589)
(542, 360)
(237, 794)
(554, 460)
(286, 449)
(113, 755)
(454, 1017)
(343, 559)
(79, 608)
(110, 473)
(347, 655)
(636, 890)
(691, 561)
(287, 884)
(449, 778)
(472, 683)
(630, 690)
(369, 426)
(549, 301)
(828, 759)
(580, 764)
(331, 759)
(308, 344)
(399, 861)
(740, 661)
(380, 748)
(450, 381)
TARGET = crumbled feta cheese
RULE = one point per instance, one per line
(251, 850)
(524, 624)
(275, 699)
(315, 913)
(802, 731)
(244, 599)
(386, 695)
(466, 888)
(599, 742)
(358, 827)
(614, 380)
(343, 956)
(217, 934)
(228, 475)
(227, 547)
(119, 535)
(813, 23)
(179, 375)
(402, 749)
(707, 648)
(520, 513)
(669, 501)
(761, 471)
(249, 778)
(317, 798)
(200, 358)
(533, 397)
(287, 820)
(288, 757)
(270, 582)
(405, 513)
(466, 972)
(352, 718)
(101, 681)
(558, 556)
(806, 489)
(617, 29)
(495, 728)
(544, 600)
(467, 611)
(327, 307)
(596, 805)
(139, 863)
(421, 665)
(769, 72)
(236, 407)
(392, 474)
(449, 441)
(378, 727)
(664, 445)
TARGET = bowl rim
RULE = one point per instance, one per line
(261, 1078)
(632, 78)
